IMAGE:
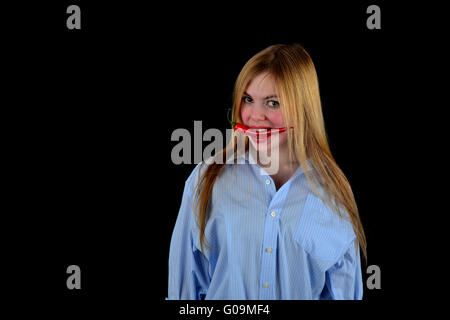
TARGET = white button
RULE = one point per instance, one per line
(266, 285)
(269, 250)
(273, 214)
(267, 181)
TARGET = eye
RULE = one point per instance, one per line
(273, 104)
(247, 99)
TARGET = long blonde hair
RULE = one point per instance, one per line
(298, 89)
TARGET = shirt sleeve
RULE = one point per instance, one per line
(188, 267)
(343, 281)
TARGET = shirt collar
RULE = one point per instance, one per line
(248, 159)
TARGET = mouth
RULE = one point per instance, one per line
(260, 133)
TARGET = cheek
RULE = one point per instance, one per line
(277, 119)
(245, 114)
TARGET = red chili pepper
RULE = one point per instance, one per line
(250, 131)
(240, 126)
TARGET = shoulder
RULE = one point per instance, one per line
(194, 176)
(226, 171)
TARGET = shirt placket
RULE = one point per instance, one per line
(269, 248)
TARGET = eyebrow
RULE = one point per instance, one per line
(268, 97)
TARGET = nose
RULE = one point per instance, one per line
(258, 114)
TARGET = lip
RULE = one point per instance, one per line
(262, 133)
(258, 133)
(259, 138)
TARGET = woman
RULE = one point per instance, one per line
(293, 233)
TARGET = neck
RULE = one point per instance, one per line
(280, 164)
(286, 166)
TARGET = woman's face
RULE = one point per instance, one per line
(260, 108)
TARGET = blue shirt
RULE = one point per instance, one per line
(263, 243)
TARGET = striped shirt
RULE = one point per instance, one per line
(262, 243)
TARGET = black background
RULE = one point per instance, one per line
(90, 115)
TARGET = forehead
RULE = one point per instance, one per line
(262, 84)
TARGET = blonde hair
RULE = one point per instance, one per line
(296, 79)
